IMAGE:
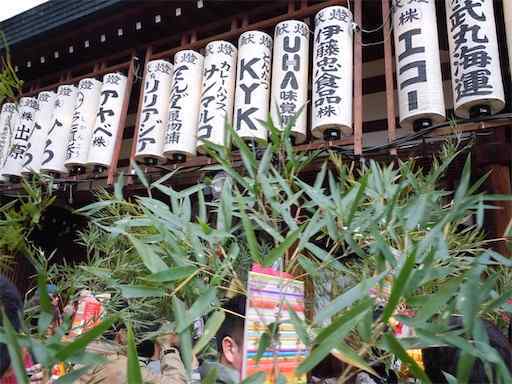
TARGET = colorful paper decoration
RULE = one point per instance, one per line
(332, 73)
(218, 91)
(181, 132)
(154, 113)
(290, 77)
(252, 94)
(269, 295)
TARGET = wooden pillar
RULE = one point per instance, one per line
(358, 79)
(494, 158)
(388, 66)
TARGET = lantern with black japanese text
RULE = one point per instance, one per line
(154, 113)
(217, 95)
(27, 109)
(290, 77)
(34, 153)
(253, 86)
(106, 126)
(54, 151)
(181, 132)
(8, 118)
(474, 57)
(418, 65)
(332, 74)
(84, 116)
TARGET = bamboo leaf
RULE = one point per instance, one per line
(171, 274)
(249, 232)
(257, 378)
(133, 368)
(150, 259)
(399, 286)
(399, 351)
(14, 350)
(140, 174)
(140, 291)
(211, 327)
(280, 250)
(81, 342)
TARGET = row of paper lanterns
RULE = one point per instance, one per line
(55, 132)
(188, 103)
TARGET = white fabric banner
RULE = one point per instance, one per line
(34, 153)
(155, 110)
(253, 85)
(181, 133)
(103, 140)
(474, 56)
(84, 116)
(27, 109)
(290, 77)
(218, 91)
(58, 134)
(332, 72)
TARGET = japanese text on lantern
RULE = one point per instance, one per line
(215, 96)
(28, 108)
(289, 103)
(179, 91)
(102, 134)
(415, 64)
(327, 63)
(470, 55)
(152, 123)
(253, 78)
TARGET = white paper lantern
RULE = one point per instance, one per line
(181, 133)
(27, 109)
(290, 77)
(103, 140)
(475, 61)
(34, 153)
(84, 116)
(253, 85)
(8, 118)
(332, 73)
(154, 113)
(54, 151)
(218, 91)
(418, 65)
(507, 11)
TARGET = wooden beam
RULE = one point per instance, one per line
(358, 79)
(263, 24)
(388, 67)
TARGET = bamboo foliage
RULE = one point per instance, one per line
(376, 240)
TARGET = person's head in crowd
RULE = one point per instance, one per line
(230, 336)
(445, 359)
(12, 306)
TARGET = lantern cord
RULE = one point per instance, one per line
(386, 20)
(386, 38)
